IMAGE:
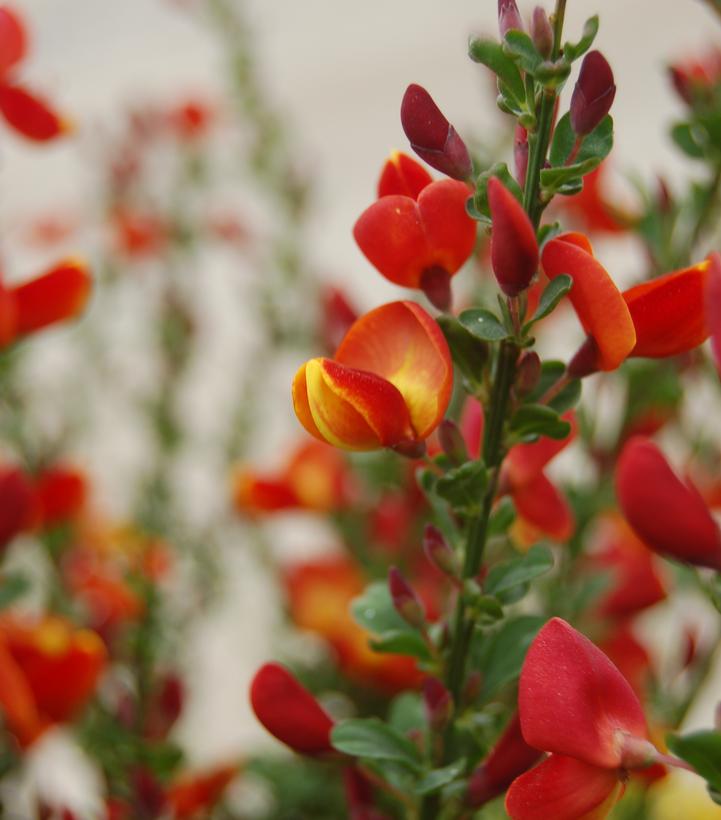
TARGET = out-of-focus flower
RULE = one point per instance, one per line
(61, 492)
(27, 113)
(316, 478)
(509, 758)
(190, 120)
(137, 234)
(419, 243)
(629, 656)
(694, 79)
(17, 503)
(336, 318)
(195, 794)
(402, 176)
(431, 136)
(670, 516)
(598, 303)
(388, 386)
(594, 213)
(576, 705)
(636, 579)
(48, 672)
(682, 790)
(289, 712)
(593, 93)
(319, 596)
(514, 250)
(713, 307)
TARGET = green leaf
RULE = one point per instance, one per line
(12, 587)
(407, 712)
(593, 149)
(480, 198)
(536, 562)
(688, 140)
(554, 180)
(552, 74)
(564, 138)
(437, 778)
(464, 487)
(539, 420)
(703, 751)
(598, 144)
(519, 46)
(491, 54)
(502, 517)
(553, 293)
(469, 353)
(371, 738)
(398, 642)
(485, 607)
(547, 232)
(483, 325)
(567, 397)
(502, 653)
(572, 51)
(551, 371)
(374, 611)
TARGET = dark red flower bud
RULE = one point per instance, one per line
(405, 600)
(438, 702)
(451, 440)
(593, 94)
(541, 32)
(508, 17)
(439, 552)
(289, 712)
(431, 136)
(514, 250)
(509, 758)
(528, 372)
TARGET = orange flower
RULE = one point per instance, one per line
(419, 243)
(25, 112)
(591, 208)
(48, 672)
(598, 303)
(194, 795)
(315, 478)
(388, 386)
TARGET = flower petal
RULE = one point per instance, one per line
(573, 701)
(668, 312)
(289, 712)
(450, 231)
(542, 510)
(30, 115)
(57, 295)
(670, 516)
(713, 307)
(402, 175)
(514, 250)
(13, 39)
(597, 301)
(401, 343)
(563, 788)
(525, 461)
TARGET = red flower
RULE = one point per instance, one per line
(670, 516)
(419, 243)
(388, 386)
(591, 208)
(28, 114)
(195, 795)
(289, 712)
(577, 706)
(61, 493)
(713, 307)
(695, 78)
(514, 250)
(403, 176)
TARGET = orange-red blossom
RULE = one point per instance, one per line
(388, 385)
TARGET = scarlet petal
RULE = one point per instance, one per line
(514, 250)
(598, 303)
(669, 312)
(17, 704)
(61, 493)
(525, 461)
(30, 115)
(402, 175)
(256, 494)
(563, 788)
(713, 307)
(13, 39)
(193, 794)
(451, 232)
(290, 712)
(57, 295)
(572, 699)
(540, 505)
(669, 516)
(401, 343)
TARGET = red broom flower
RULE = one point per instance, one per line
(669, 516)
(593, 94)
(402, 175)
(289, 712)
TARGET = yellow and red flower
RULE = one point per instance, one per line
(388, 385)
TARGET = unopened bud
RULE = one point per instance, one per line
(452, 443)
(593, 94)
(431, 136)
(435, 282)
(438, 702)
(508, 17)
(514, 249)
(664, 198)
(541, 32)
(439, 552)
(585, 360)
(528, 373)
(520, 154)
(406, 602)
(473, 687)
